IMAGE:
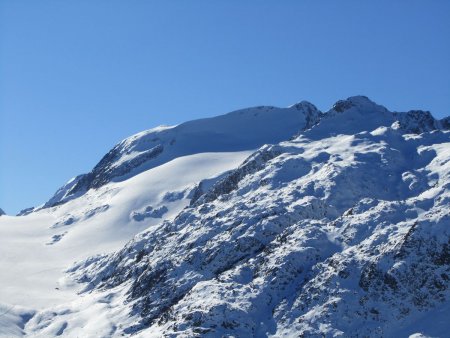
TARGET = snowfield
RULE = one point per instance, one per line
(264, 222)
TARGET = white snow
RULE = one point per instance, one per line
(33, 268)
(278, 245)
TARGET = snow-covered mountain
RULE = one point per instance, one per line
(240, 130)
(262, 222)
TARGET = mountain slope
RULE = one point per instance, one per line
(342, 230)
(325, 234)
(241, 130)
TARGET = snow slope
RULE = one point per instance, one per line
(36, 248)
(342, 230)
(237, 131)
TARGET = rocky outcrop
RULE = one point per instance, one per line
(417, 121)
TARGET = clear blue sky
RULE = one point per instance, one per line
(78, 76)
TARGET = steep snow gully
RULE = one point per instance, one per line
(264, 222)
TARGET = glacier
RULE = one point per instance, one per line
(264, 222)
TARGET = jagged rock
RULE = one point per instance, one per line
(149, 212)
(445, 123)
(230, 182)
(417, 121)
(25, 211)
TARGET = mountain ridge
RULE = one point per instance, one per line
(125, 158)
(233, 235)
(339, 229)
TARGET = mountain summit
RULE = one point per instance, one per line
(239, 130)
(264, 222)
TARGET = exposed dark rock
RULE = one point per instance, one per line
(251, 165)
(25, 211)
(149, 212)
(417, 121)
(106, 170)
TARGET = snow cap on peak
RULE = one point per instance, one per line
(361, 105)
(312, 114)
(303, 105)
(361, 102)
(353, 115)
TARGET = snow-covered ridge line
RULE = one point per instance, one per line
(243, 129)
(240, 130)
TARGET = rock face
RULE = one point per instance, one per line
(417, 121)
(340, 231)
(2, 212)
